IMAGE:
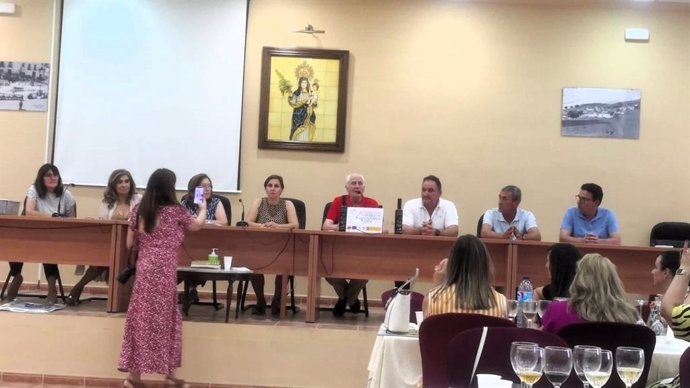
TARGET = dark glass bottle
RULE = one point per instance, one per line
(399, 218)
(342, 220)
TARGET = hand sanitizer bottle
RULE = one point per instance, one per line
(213, 257)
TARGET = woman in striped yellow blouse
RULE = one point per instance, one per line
(463, 282)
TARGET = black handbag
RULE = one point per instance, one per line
(131, 268)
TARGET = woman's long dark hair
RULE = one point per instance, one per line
(470, 270)
(41, 186)
(563, 259)
(110, 194)
(160, 191)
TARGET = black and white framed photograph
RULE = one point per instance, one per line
(24, 86)
(600, 112)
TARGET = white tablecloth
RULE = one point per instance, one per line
(396, 361)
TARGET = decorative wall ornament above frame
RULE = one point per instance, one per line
(303, 99)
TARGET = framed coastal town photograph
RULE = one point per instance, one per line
(600, 112)
(303, 99)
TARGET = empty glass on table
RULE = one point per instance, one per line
(529, 308)
(558, 362)
(578, 354)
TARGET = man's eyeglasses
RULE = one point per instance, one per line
(583, 199)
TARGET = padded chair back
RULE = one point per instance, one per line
(684, 368)
(416, 300)
(436, 332)
(495, 356)
(226, 205)
(610, 335)
(669, 233)
(479, 225)
(301, 210)
(326, 208)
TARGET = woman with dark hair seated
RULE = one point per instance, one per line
(271, 211)
(119, 198)
(665, 267)
(561, 262)
(596, 295)
(214, 208)
(463, 282)
(47, 197)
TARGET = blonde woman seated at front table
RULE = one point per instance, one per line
(463, 282)
(271, 212)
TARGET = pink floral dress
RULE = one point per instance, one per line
(152, 341)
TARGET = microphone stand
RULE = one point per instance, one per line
(242, 223)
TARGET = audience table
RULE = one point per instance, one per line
(396, 361)
(66, 241)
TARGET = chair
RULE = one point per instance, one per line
(435, 333)
(609, 335)
(365, 300)
(226, 206)
(479, 225)
(669, 233)
(684, 368)
(495, 357)
(416, 300)
(301, 210)
(59, 279)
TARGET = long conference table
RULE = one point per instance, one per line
(311, 254)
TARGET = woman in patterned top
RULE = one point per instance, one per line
(675, 307)
(215, 211)
(214, 208)
(463, 282)
(119, 199)
(271, 211)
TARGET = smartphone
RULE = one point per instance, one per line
(198, 195)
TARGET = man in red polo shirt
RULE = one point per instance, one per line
(348, 292)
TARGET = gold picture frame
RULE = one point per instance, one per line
(303, 99)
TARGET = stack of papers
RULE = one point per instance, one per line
(26, 307)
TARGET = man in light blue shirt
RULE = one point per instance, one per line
(589, 223)
(508, 221)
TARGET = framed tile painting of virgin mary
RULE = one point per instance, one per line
(303, 99)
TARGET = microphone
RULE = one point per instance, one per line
(242, 223)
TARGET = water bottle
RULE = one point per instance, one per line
(524, 293)
(342, 220)
(213, 257)
(398, 218)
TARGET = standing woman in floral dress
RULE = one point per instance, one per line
(152, 341)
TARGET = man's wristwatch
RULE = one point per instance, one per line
(682, 271)
(437, 232)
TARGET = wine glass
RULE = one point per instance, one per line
(629, 363)
(597, 364)
(512, 307)
(529, 308)
(542, 306)
(529, 361)
(578, 354)
(640, 303)
(558, 362)
(513, 350)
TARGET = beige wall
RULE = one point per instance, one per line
(469, 92)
